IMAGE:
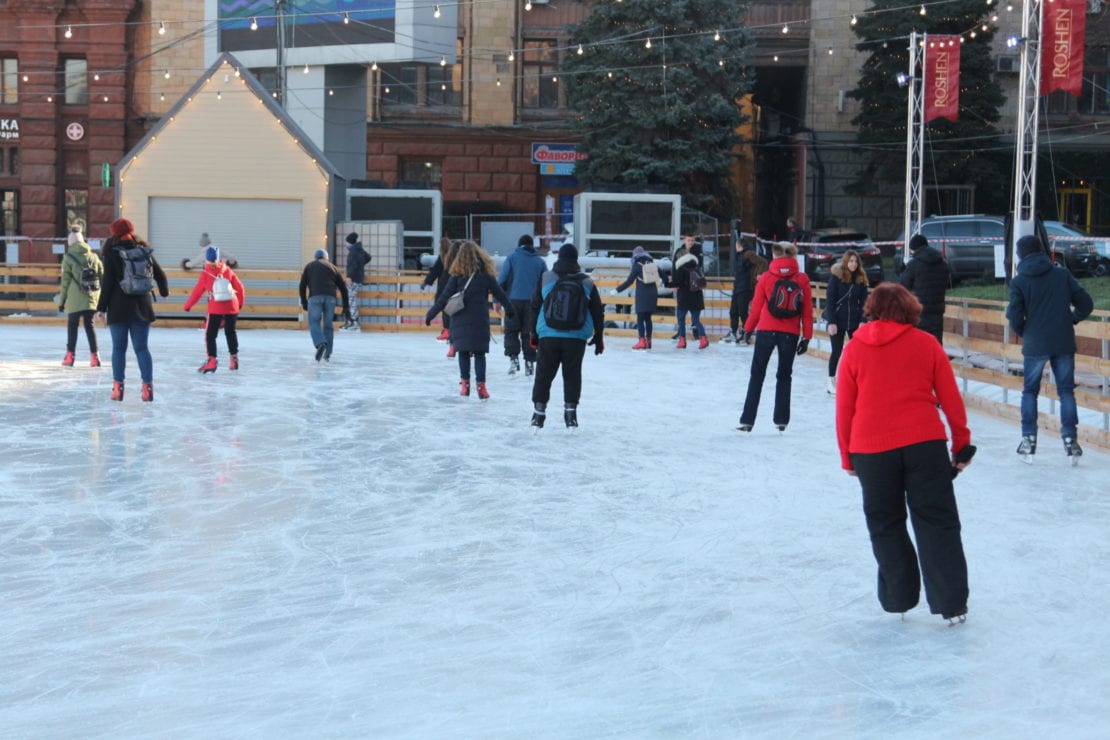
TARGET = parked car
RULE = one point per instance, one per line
(1073, 248)
(823, 248)
(968, 243)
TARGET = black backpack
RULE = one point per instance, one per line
(697, 279)
(89, 280)
(566, 306)
(786, 299)
(138, 270)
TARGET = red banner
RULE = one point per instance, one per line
(942, 78)
(1063, 34)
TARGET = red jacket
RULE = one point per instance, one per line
(760, 319)
(204, 288)
(889, 381)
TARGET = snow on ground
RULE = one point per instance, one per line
(302, 549)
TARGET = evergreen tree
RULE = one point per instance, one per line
(665, 116)
(967, 151)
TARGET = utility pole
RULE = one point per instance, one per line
(915, 141)
(279, 7)
(1025, 130)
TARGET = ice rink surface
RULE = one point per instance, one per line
(353, 550)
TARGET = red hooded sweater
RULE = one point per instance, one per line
(889, 381)
(204, 288)
(761, 319)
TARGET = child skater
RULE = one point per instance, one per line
(473, 273)
(225, 297)
(646, 277)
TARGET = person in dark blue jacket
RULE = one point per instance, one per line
(645, 275)
(357, 260)
(1046, 303)
(520, 274)
(746, 267)
(564, 347)
(844, 299)
(472, 272)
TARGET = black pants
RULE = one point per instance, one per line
(767, 342)
(556, 352)
(738, 309)
(215, 320)
(836, 341)
(479, 366)
(72, 320)
(917, 476)
(933, 323)
(518, 331)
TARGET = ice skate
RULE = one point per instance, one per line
(1027, 448)
(117, 391)
(681, 343)
(320, 349)
(209, 366)
(830, 387)
(570, 417)
(529, 368)
(146, 393)
(956, 618)
(703, 342)
(640, 344)
(781, 428)
(746, 428)
(483, 394)
(234, 363)
(514, 365)
(444, 335)
(1071, 446)
(67, 361)
(451, 350)
(539, 415)
(729, 338)
(94, 360)
(464, 387)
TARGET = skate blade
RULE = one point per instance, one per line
(1074, 460)
(1027, 459)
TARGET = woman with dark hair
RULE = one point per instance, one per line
(844, 299)
(891, 437)
(472, 273)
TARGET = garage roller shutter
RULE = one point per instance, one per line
(259, 233)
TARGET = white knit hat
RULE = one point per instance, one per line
(74, 236)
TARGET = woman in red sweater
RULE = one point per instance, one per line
(225, 298)
(891, 378)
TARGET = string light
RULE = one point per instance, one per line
(69, 32)
(499, 82)
(436, 13)
(717, 35)
(648, 44)
(922, 11)
(105, 98)
(443, 61)
(331, 92)
(219, 95)
(26, 78)
(346, 19)
(162, 96)
(374, 66)
(854, 20)
(166, 74)
(785, 28)
(96, 76)
(306, 68)
(580, 51)
(511, 55)
(161, 28)
(776, 57)
(49, 98)
(830, 51)
(387, 90)
(528, 5)
(254, 23)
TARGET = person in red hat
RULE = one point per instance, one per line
(126, 302)
(225, 296)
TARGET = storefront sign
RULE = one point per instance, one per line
(556, 169)
(543, 154)
(75, 131)
(9, 129)
(942, 78)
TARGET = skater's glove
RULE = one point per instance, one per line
(963, 459)
(749, 337)
(599, 345)
(61, 308)
(427, 321)
(304, 305)
(185, 264)
(803, 346)
(534, 341)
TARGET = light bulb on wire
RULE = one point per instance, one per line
(306, 68)
(511, 55)
(167, 74)
(717, 35)
(436, 13)
(69, 32)
(346, 19)
(580, 51)
(922, 11)
(854, 20)
(161, 28)
(648, 44)
(528, 5)
(785, 28)
(443, 61)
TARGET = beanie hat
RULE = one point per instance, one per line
(121, 227)
(524, 241)
(568, 253)
(204, 240)
(212, 254)
(320, 254)
(917, 241)
(1028, 245)
(638, 252)
(352, 238)
(74, 236)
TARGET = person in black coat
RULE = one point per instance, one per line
(647, 294)
(927, 277)
(844, 299)
(746, 267)
(440, 274)
(357, 260)
(472, 272)
(320, 282)
(128, 316)
(688, 300)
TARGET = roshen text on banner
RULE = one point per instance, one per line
(942, 78)
(1063, 34)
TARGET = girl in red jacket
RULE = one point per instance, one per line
(891, 378)
(225, 297)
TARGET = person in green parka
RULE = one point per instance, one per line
(79, 294)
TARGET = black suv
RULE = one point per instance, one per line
(968, 243)
(1072, 248)
(823, 248)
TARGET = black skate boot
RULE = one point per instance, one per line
(570, 417)
(539, 415)
(1027, 448)
(1073, 449)
(514, 365)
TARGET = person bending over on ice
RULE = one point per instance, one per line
(891, 437)
(320, 281)
(473, 273)
(568, 312)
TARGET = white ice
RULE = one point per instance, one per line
(353, 550)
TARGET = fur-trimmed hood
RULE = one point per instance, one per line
(685, 260)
